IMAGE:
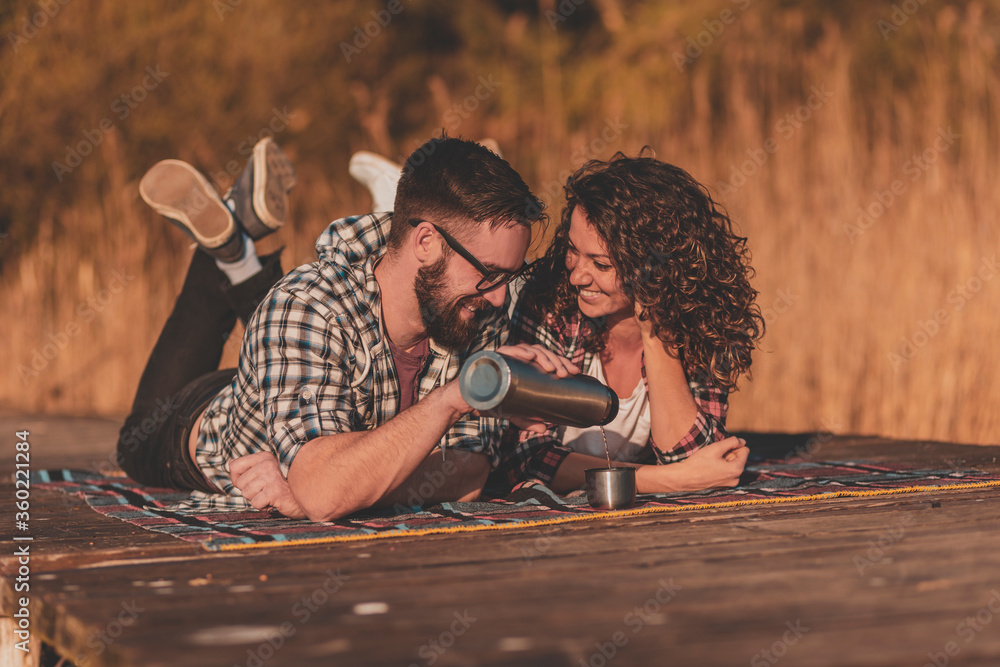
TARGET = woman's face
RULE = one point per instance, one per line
(590, 271)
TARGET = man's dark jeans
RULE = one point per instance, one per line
(182, 376)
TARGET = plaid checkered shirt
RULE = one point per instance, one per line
(315, 361)
(536, 457)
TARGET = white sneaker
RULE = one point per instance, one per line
(380, 175)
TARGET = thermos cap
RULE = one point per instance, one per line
(485, 380)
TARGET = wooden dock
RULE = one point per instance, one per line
(893, 580)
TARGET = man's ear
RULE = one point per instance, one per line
(426, 243)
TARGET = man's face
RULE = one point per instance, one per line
(453, 310)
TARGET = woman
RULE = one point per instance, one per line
(645, 287)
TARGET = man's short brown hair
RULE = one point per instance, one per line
(451, 181)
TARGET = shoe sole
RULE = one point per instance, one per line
(270, 194)
(177, 191)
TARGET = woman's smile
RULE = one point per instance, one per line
(590, 296)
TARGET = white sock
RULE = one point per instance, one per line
(245, 267)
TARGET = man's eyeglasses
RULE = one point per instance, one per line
(492, 278)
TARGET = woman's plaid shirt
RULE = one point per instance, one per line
(531, 456)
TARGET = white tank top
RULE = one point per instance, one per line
(628, 434)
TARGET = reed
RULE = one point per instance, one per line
(860, 162)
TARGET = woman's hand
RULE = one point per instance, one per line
(718, 465)
(258, 477)
(645, 325)
(542, 357)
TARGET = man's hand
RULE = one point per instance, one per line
(258, 477)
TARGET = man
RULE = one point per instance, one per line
(346, 380)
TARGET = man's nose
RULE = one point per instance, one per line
(496, 296)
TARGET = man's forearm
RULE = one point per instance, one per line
(459, 476)
(335, 475)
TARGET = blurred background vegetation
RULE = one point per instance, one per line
(796, 114)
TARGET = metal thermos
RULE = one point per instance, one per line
(505, 387)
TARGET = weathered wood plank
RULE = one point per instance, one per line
(795, 562)
(864, 581)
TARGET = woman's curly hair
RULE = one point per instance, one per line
(675, 254)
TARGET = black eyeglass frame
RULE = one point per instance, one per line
(491, 278)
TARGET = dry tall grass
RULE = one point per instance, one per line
(796, 116)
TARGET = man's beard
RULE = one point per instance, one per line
(443, 320)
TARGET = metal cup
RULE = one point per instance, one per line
(611, 488)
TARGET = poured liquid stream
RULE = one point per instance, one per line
(606, 453)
